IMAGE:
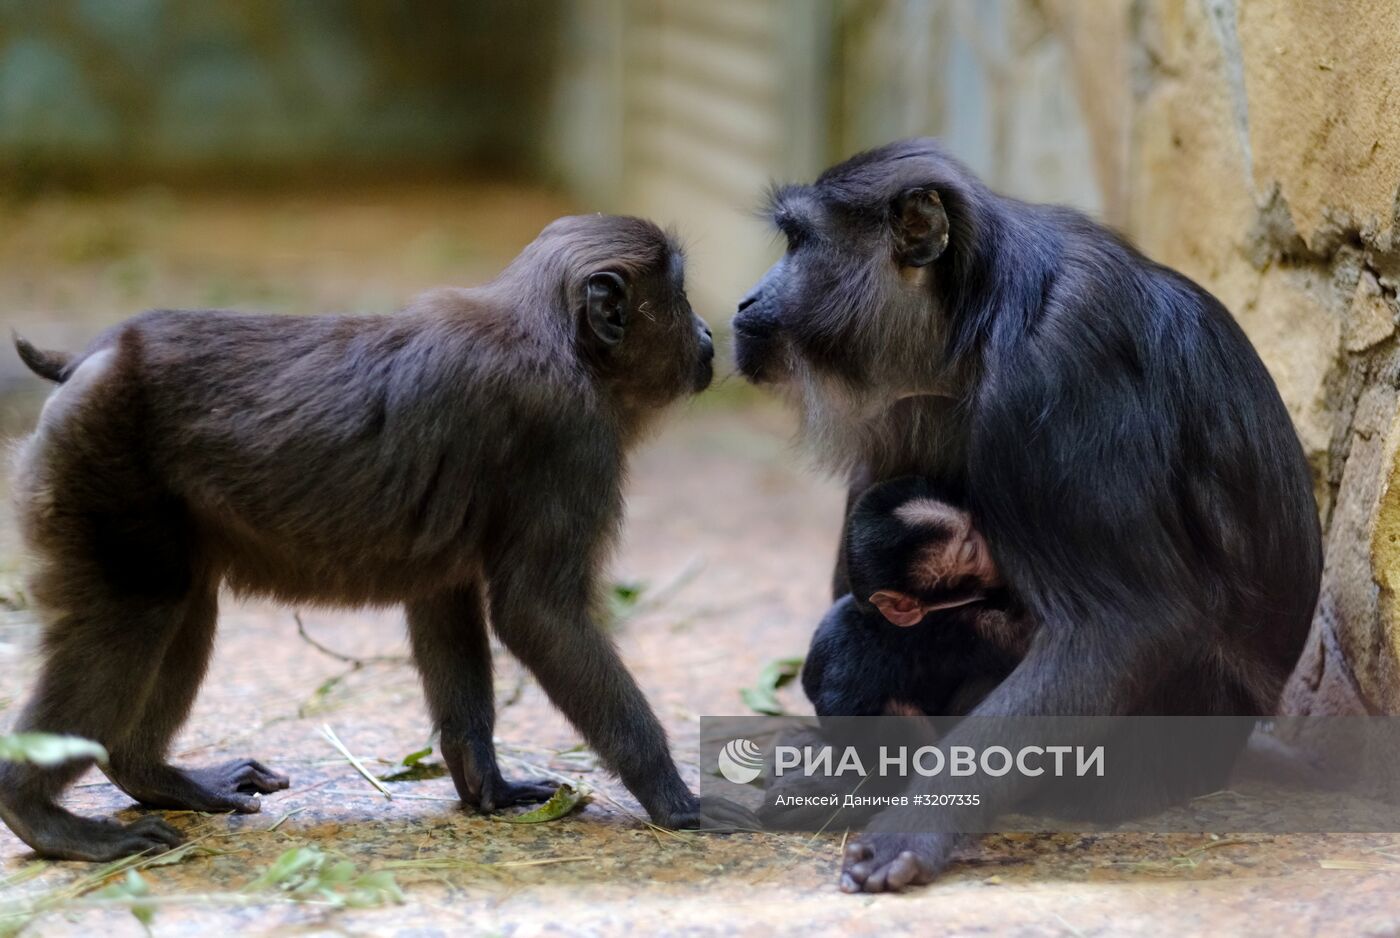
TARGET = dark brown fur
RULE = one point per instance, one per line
(470, 446)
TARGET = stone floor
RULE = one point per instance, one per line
(730, 536)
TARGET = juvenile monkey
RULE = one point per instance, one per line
(928, 627)
(470, 447)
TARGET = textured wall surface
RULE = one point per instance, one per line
(1264, 162)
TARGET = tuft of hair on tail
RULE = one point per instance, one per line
(51, 365)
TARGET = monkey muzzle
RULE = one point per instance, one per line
(756, 343)
(705, 362)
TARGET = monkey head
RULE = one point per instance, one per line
(851, 312)
(910, 553)
(621, 281)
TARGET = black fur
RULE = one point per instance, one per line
(1119, 442)
(860, 664)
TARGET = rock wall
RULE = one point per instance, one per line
(1264, 160)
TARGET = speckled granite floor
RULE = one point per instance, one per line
(724, 522)
(719, 492)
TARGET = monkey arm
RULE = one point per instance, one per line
(540, 602)
(447, 632)
(861, 479)
(584, 677)
(1129, 567)
(1104, 581)
(1089, 669)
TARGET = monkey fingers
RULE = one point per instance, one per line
(501, 792)
(479, 782)
(720, 815)
(227, 787)
(888, 862)
(58, 835)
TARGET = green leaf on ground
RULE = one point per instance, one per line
(413, 769)
(16, 914)
(310, 874)
(762, 697)
(561, 803)
(133, 892)
(623, 597)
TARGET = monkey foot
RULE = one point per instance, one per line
(888, 862)
(502, 793)
(717, 815)
(58, 835)
(228, 787)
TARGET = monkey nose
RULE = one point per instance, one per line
(752, 318)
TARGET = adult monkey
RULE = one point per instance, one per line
(1105, 420)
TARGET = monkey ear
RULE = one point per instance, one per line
(605, 307)
(900, 608)
(920, 227)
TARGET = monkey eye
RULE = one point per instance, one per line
(967, 553)
(792, 229)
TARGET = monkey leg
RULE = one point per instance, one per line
(96, 676)
(450, 646)
(138, 765)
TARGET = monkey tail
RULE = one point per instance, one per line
(51, 365)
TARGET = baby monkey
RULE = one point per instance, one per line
(929, 627)
(463, 458)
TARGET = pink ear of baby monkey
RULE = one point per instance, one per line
(899, 608)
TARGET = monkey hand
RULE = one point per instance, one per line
(481, 786)
(499, 792)
(488, 793)
(888, 861)
(720, 816)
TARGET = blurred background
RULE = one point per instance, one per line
(343, 154)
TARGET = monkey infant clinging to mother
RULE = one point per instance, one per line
(928, 627)
(470, 446)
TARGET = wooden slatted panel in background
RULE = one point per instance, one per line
(720, 98)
